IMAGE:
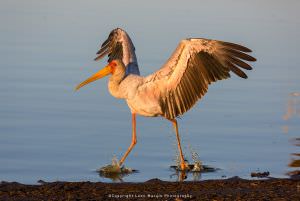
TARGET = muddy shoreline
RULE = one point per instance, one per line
(227, 189)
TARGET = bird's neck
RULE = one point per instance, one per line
(114, 85)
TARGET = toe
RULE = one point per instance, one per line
(184, 166)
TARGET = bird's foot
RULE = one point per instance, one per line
(184, 166)
(116, 167)
(115, 171)
(112, 168)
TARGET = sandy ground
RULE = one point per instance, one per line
(227, 189)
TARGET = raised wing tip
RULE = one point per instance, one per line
(236, 46)
(118, 28)
(97, 58)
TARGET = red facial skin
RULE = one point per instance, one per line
(113, 66)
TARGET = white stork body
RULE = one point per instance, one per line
(138, 98)
(177, 85)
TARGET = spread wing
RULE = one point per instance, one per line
(118, 45)
(195, 64)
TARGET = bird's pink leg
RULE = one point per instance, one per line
(133, 140)
(183, 164)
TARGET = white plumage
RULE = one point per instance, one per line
(177, 85)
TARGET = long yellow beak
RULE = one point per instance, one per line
(100, 74)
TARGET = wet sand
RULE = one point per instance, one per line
(227, 189)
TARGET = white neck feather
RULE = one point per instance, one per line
(115, 81)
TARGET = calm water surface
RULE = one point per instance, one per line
(49, 132)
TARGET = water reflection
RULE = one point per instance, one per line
(114, 171)
(293, 106)
(192, 172)
(293, 111)
(116, 176)
(295, 163)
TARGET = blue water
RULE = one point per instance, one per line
(49, 132)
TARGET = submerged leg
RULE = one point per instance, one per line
(183, 164)
(133, 140)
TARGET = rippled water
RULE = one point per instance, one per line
(49, 132)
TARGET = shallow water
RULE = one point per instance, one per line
(49, 132)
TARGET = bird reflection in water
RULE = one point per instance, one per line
(293, 111)
(295, 163)
(293, 106)
(193, 171)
